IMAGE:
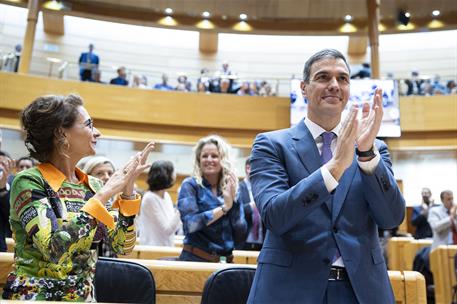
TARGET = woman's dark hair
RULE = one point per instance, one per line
(43, 121)
(160, 175)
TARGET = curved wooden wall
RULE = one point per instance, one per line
(178, 117)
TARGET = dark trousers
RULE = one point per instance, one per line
(339, 292)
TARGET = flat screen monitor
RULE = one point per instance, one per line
(362, 90)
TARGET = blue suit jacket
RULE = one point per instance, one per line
(305, 222)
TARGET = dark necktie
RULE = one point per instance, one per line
(453, 229)
(326, 155)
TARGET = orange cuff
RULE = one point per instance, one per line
(128, 207)
(95, 208)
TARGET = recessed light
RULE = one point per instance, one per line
(243, 16)
(348, 18)
(168, 11)
(436, 13)
(206, 14)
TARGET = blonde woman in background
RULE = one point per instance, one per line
(213, 221)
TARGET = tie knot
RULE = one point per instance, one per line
(327, 138)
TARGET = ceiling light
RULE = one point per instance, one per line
(168, 11)
(403, 17)
(53, 5)
(348, 18)
(242, 26)
(434, 24)
(206, 14)
(347, 28)
(168, 21)
(436, 13)
(205, 24)
(243, 16)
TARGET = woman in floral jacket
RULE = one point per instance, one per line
(58, 213)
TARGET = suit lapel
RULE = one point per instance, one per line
(305, 146)
(342, 189)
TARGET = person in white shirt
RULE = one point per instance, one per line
(159, 220)
(443, 220)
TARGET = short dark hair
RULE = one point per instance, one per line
(42, 121)
(26, 158)
(325, 53)
(448, 192)
(160, 175)
(4, 153)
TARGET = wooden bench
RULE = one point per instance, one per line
(395, 253)
(183, 282)
(145, 252)
(410, 249)
(443, 269)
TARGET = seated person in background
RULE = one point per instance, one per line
(140, 82)
(101, 168)
(97, 76)
(159, 220)
(6, 168)
(24, 163)
(183, 84)
(255, 236)
(58, 212)
(164, 86)
(364, 72)
(420, 215)
(443, 220)
(213, 221)
(414, 84)
(121, 78)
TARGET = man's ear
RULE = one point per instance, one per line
(303, 88)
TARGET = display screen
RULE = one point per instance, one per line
(362, 90)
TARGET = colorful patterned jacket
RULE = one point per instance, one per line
(57, 226)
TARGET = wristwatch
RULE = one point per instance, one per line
(369, 153)
(224, 211)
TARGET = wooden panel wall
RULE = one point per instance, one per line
(148, 51)
(184, 117)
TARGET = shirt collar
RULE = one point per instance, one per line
(317, 130)
(55, 177)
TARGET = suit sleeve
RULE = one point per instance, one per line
(281, 206)
(385, 201)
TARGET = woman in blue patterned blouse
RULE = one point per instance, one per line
(213, 220)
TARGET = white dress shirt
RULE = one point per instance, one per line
(158, 220)
(330, 182)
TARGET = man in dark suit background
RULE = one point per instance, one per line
(88, 64)
(320, 202)
(255, 235)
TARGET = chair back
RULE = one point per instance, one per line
(120, 281)
(228, 286)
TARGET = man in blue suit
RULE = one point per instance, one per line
(323, 187)
(88, 64)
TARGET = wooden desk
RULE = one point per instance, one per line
(145, 252)
(443, 269)
(183, 282)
